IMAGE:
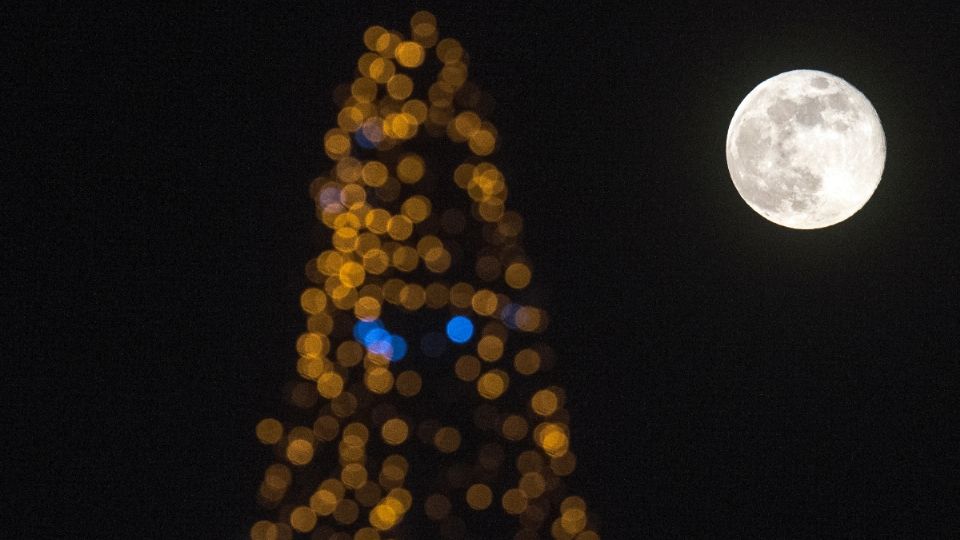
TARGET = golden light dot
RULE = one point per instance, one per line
(529, 319)
(374, 173)
(482, 142)
(409, 54)
(514, 427)
(545, 402)
(417, 208)
(350, 118)
(381, 69)
(391, 290)
(368, 494)
(277, 476)
(573, 501)
(437, 506)
(324, 501)
(313, 345)
(367, 308)
(336, 143)
(467, 368)
(326, 428)
(461, 295)
(260, 530)
(349, 353)
(492, 384)
(532, 484)
(490, 348)
(573, 520)
(399, 227)
(313, 301)
(269, 430)
(371, 35)
(491, 210)
(345, 239)
(449, 51)
(378, 380)
(400, 86)
(552, 439)
(364, 90)
(437, 295)
(353, 475)
(526, 362)
(344, 405)
(488, 268)
(484, 302)
(299, 451)
(479, 496)
(365, 533)
(394, 431)
(408, 383)
(376, 220)
(329, 262)
(347, 512)
(386, 43)
(455, 74)
(466, 124)
(412, 296)
(303, 519)
(330, 384)
(564, 465)
(447, 439)
(383, 517)
(514, 501)
(376, 261)
(405, 259)
(410, 168)
(517, 275)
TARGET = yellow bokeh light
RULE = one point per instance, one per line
(544, 402)
(303, 519)
(410, 54)
(490, 348)
(514, 501)
(484, 302)
(447, 439)
(492, 384)
(410, 168)
(479, 496)
(269, 431)
(517, 275)
(394, 431)
(408, 383)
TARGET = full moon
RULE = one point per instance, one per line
(806, 149)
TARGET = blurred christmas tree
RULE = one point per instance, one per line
(421, 409)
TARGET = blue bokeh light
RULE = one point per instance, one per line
(379, 341)
(459, 329)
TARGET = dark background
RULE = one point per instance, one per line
(727, 377)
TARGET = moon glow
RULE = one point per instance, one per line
(805, 149)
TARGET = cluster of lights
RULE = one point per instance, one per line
(409, 285)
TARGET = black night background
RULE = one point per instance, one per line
(725, 376)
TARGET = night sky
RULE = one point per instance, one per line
(726, 377)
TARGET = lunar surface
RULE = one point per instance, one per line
(805, 149)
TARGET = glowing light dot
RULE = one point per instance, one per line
(492, 384)
(459, 329)
(479, 496)
(303, 519)
(517, 275)
(447, 440)
(269, 431)
(409, 54)
(544, 402)
(394, 431)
